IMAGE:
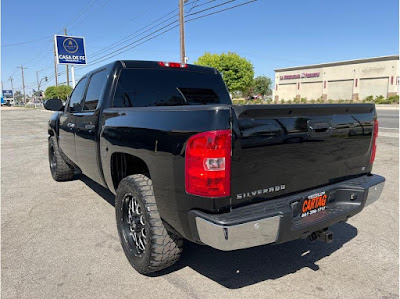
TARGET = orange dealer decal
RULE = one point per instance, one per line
(313, 204)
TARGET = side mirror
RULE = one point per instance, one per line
(54, 105)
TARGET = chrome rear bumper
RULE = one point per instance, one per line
(374, 193)
(280, 227)
(239, 236)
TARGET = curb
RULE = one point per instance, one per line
(387, 107)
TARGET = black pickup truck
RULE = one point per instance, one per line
(184, 163)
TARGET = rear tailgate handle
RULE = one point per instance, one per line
(319, 128)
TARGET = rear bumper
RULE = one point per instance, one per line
(278, 220)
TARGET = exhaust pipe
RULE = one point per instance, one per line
(325, 236)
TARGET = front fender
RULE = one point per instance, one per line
(54, 124)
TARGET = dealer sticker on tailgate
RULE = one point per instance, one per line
(313, 204)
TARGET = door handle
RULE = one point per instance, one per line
(89, 127)
(70, 125)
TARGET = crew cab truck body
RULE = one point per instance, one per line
(185, 163)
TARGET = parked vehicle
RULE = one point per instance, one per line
(184, 163)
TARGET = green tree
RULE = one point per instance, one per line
(18, 97)
(238, 72)
(58, 92)
(63, 91)
(262, 85)
(51, 92)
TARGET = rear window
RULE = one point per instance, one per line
(153, 87)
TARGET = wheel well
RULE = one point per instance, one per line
(123, 164)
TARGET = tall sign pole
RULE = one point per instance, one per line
(182, 31)
(65, 33)
(55, 63)
(73, 76)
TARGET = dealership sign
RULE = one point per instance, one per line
(70, 49)
(300, 76)
(7, 93)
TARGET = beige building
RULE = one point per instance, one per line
(345, 80)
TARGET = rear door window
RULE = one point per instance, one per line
(94, 91)
(153, 87)
(75, 102)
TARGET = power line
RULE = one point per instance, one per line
(90, 4)
(132, 35)
(118, 51)
(144, 13)
(212, 7)
(153, 25)
(150, 37)
(26, 42)
(222, 10)
(199, 5)
(131, 45)
(84, 19)
(122, 42)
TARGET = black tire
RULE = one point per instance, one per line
(154, 248)
(59, 168)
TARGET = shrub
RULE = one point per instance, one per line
(296, 100)
(312, 101)
(368, 99)
(239, 102)
(269, 101)
(303, 100)
(341, 101)
(320, 101)
(282, 101)
(380, 100)
(289, 102)
(393, 99)
(330, 101)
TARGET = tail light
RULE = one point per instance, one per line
(208, 164)
(172, 64)
(375, 135)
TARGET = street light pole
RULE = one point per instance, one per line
(182, 30)
(23, 81)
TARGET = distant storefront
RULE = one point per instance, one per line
(345, 80)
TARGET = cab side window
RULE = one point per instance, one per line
(75, 102)
(96, 86)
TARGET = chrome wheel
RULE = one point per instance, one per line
(134, 224)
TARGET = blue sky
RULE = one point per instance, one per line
(271, 34)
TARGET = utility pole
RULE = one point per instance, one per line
(55, 63)
(182, 30)
(12, 87)
(65, 33)
(37, 80)
(23, 81)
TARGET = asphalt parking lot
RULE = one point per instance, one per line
(59, 240)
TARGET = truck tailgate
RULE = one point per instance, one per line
(282, 149)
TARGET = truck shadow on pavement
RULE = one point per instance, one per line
(241, 268)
